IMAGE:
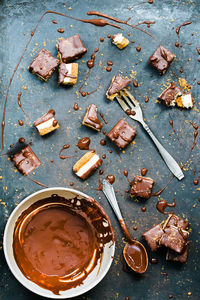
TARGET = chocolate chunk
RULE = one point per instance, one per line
(68, 74)
(161, 59)
(43, 65)
(91, 119)
(70, 49)
(142, 187)
(175, 221)
(47, 123)
(152, 236)
(122, 134)
(172, 255)
(118, 83)
(26, 161)
(170, 94)
(174, 238)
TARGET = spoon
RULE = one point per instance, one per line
(134, 252)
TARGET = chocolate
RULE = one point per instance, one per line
(87, 164)
(174, 238)
(47, 123)
(161, 59)
(26, 161)
(91, 119)
(170, 94)
(68, 74)
(182, 258)
(153, 236)
(122, 134)
(84, 143)
(118, 83)
(175, 221)
(142, 187)
(70, 49)
(120, 41)
(43, 65)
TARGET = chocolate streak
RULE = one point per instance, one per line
(66, 146)
(84, 143)
(57, 242)
(179, 27)
(158, 193)
(162, 204)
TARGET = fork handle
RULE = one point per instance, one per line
(169, 160)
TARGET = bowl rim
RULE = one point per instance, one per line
(8, 233)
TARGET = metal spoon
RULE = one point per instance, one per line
(134, 252)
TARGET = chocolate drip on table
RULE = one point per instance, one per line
(103, 117)
(19, 101)
(194, 141)
(148, 23)
(179, 27)
(21, 123)
(76, 107)
(158, 193)
(102, 142)
(110, 179)
(66, 146)
(96, 22)
(60, 30)
(84, 143)
(37, 182)
(144, 171)
(172, 126)
(162, 204)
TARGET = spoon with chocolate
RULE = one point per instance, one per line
(134, 252)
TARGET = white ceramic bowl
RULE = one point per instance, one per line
(93, 278)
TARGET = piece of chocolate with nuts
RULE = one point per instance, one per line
(161, 59)
(142, 187)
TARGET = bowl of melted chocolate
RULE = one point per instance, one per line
(59, 243)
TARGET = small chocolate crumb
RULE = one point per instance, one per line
(104, 156)
(71, 183)
(143, 208)
(101, 40)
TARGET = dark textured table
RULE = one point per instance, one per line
(17, 20)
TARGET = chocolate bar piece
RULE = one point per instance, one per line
(185, 100)
(142, 187)
(43, 65)
(47, 123)
(87, 164)
(68, 74)
(152, 236)
(120, 41)
(70, 49)
(161, 59)
(26, 161)
(182, 258)
(122, 134)
(174, 238)
(91, 119)
(171, 94)
(118, 83)
(175, 221)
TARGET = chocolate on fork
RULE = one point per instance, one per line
(132, 108)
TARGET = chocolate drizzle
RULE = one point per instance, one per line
(179, 27)
(162, 204)
(84, 143)
(66, 146)
(110, 179)
(158, 193)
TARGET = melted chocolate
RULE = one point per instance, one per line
(138, 48)
(109, 63)
(162, 204)
(135, 83)
(179, 27)
(135, 257)
(84, 143)
(37, 182)
(194, 141)
(104, 156)
(21, 123)
(55, 122)
(60, 30)
(76, 107)
(144, 171)
(57, 237)
(54, 22)
(103, 117)
(143, 208)
(110, 179)
(130, 112)
(19, 100)
(148, 23)
(172, 125)
(153, 260)
(146, 99)
(196, 181)
(158, 193)
(102, 142)
(108, 69)
(66, 146)
(101, 40)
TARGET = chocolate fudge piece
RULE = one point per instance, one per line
(46, 123)
(68, 74)
(186, 100)
(161, 59)
(70, 49)
(174, 238)
(122, 134)
(170, 94)
(152, 236)
(26, 161)
(118, 83)
(120, 41)
(142, 187)
(176, 221)
(43, 65)
(182, 258)
(91, 119)
(87, 164)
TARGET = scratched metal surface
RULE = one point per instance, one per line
(17, 20)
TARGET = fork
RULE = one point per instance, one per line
(127, 102)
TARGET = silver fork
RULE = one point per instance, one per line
(127, 102)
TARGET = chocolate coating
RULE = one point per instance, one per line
(169, 95)
(91, 119)
(142, 187)
(117, 84)
(161, 59)
(152, 236)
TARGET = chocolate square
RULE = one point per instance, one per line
(174, 238)
(161, 59)
(142, 187)
(152, 236)
(118, 83)
(91, 119)
(182, 258)
(175, 221)
(122, 134)
(70, 49)
(68, 73)
(43, 65)
(170, 94)
(26, 160)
